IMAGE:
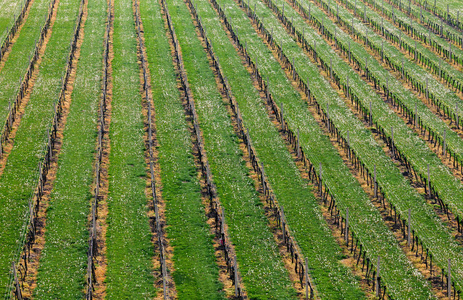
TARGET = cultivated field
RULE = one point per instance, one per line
(231, 149)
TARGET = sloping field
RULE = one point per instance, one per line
(231, 149)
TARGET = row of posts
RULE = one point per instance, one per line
(48, 152)
(291, 244)
(146, 89)
(230, 257)
(375, 186)
(284, 125)
(455, 116)
(24, 82)
(101, 131)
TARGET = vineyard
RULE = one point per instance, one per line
(231, 149)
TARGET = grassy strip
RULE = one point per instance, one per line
(10, 10)
(24, 47)
(435, 49)
(261, 268)
(332, 279)
(439, 8)
(401, 20)
(398, 191)
(128, 239)
(196, 272)
(364, 219)
(432, 22)
(446, 98)
(20, 175)
(414, 149)
(427, 118)
(443, 35)
(62, 268)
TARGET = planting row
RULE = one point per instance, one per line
(19, 178)
(440, 176)
(435, 24)
(391, 49)
(296, 115)
(405, 23)
(62, 268)
(151, 131)
(313, 237)
(441, 9)
(18, 11)
(16, 67)
(196, 273)
(424, 221)
(128, 237)
(260, 265)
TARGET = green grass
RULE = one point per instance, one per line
(196, 271)
(431, 21)
(419, 155)
(63, 264)
(129, 247)
(8, 14)
(426, 224)
(364, 218)
(260, 264)
(441, 177)
(422, 32)
(20, 174)
(441, 8)
(18, 60)
(447, 98)
(331, 278)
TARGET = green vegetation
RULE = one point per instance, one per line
(17, 63)
(10, 10)
(196, 272)
(19, 177)
(432, 22)
(440, 9)
(260, 264)
(411, 146)
(448, 100)
(332, 279)
(130, 250)
(397, 189)
(128, 239)
(63, 264)
(422, 33)
(364, 219)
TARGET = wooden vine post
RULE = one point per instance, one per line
(320, 180)
(409, 227)
(18, 287)
(375, 183)
(378, 287)
(346, 233)
(429, 183)
(449, 282)
(237, 293)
